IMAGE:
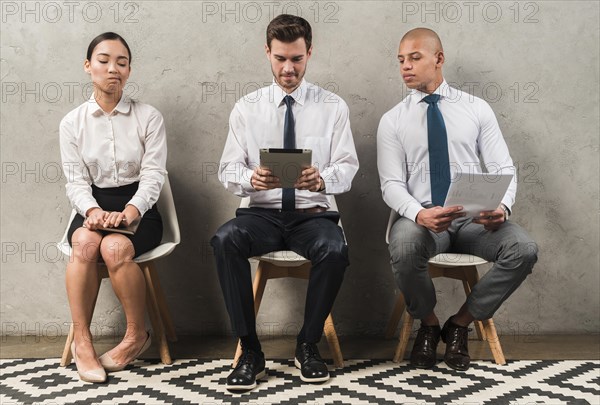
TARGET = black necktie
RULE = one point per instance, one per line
(288, 197)
(439, 162)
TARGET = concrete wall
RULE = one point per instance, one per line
(535, 62)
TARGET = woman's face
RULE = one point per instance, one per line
(109, 68)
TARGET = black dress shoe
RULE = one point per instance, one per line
(312, 367)
(456, 338)
(425, 346)
(250, 367)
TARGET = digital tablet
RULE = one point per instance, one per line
(287, 164)
(129, 229)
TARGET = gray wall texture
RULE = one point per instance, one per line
(536, 63)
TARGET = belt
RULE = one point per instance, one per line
(312, 210)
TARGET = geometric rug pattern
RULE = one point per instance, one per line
(43, 381)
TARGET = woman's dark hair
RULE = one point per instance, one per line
(104, 37)
(288, 28)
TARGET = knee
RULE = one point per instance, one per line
(410, 244)
(409, 253)
(85, 245)
(331, 251)
(116, 250)
(227, 239)
(520, 253)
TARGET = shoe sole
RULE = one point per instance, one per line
(456, 368)
(238, 387)
(423, 367)
(309, 380)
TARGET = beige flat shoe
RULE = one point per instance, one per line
(97, 375)
(110, 365)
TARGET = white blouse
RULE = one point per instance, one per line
(112, 150)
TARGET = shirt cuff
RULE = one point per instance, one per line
(508, 207)
(84, 207)
(412, 211)
(139, 203)
(245, 181)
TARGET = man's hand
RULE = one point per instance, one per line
(263, 179)
(310, 179)
(491, 220)
(438, 219)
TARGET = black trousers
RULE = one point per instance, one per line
(257, 231)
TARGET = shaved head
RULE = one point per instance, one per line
(421, 58)
(428, 37)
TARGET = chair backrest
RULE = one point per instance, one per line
(393, 217)
(171, 235)
(166, 207)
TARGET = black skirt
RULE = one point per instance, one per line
(149, 232)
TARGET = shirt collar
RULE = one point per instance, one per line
(443, 90)
(299, 95)
(123, 107)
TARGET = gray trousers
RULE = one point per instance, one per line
(510, 248)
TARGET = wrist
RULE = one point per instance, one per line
(131, 210)
(321, 185)
(91, 210)
(506, 211)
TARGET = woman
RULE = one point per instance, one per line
(114, 153)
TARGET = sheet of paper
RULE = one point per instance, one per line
(477, 192)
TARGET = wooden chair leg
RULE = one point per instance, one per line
(67, 356)
(153, 312)
(258, 287)
(494, 341)
(334, 343)
(404, 336)
(162, 305)
(395, 318)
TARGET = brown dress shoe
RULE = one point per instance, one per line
(425, 346)
(456, 338)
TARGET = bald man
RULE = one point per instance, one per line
(436, 133)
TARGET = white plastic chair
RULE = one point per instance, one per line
(155, 298)
(286, 263)
(458, 266)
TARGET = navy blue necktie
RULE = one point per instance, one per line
(439, 162)
(288, 195)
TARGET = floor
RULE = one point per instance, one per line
(549, 369)
(530, 347)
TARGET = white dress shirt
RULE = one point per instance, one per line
(402, 147)
(321, 124)
(112, 150)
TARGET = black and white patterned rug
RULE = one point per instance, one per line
(43, 381)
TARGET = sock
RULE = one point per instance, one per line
(251, 342)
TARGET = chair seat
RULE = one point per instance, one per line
(284, 258)
(456, 260)
(161, 250)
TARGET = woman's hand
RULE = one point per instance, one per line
(115, 219)
(95, 218)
